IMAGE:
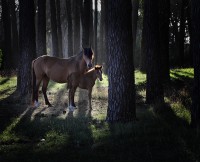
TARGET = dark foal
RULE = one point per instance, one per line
(87, 80)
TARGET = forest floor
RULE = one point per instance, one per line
(54, 134)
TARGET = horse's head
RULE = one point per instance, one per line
(98, 69)
(88, 56)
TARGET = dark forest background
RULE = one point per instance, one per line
(152, 36)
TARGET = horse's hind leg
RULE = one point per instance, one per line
(72, 91)
(44, 90)
(36, 92)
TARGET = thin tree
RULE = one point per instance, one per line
(7, 62)
(164, 15)
(86, 21)
(142, 64)
(102, 47)
(14, 34)
(95, 31)
(135, 6)
(54, 28)
(41, 28)
(59, 30)
(76, 25)
(154, 88)
(27, 45)
(121, 92)
(182, 33)
(70, 30)
(195, 49)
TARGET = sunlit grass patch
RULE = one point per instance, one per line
(53, 86)
(8, 134)
(182, 73)
(7, 86)
(181, 111)
(139, 77)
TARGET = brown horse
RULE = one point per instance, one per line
(45, 68)
(87, 81)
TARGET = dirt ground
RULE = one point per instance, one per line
(59, 100)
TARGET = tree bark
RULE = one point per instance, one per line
(102, 57)
(143, 46)
(164, 15)
(54, 29)
(59, 30)
(7, 62)
(135, 6)
(76, 24)
(121, 92)
(95, 31)
(195, 49)
(27, 46)
(15, 37)
(182, 34)
(154, 89)
(70, 31)
(86, 18)
(41, 37)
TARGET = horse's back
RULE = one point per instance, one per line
(57, 69)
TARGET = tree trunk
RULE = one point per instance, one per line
(15, 37)
(182, 34)
(86, 18)
(70, 31)
(154, 89)
(95, 31)
(143, 47)
(135, 6)
(195, 41)
(54, 29)
(7, 62)
(41, 38)
(164, 15)
(102, 57)
(60, 49)
(91, 31)
(27, 45)
(121, 92)
(76, 24)
(106, 36)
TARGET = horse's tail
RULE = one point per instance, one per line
(33, 82)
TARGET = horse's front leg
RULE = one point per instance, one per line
(90, 98)
(44, 90)
(72, 105)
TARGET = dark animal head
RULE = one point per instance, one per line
(98, 69)
(88, 56)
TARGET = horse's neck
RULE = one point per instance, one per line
(92, 74)
(82, 64)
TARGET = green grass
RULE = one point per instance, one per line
(7, 86)
(162, 136)
(182, 73)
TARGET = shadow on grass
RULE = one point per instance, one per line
(3, 81)
(10, 108)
